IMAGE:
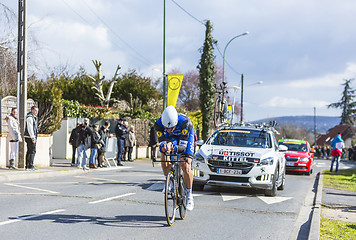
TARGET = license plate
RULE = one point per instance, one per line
(229, 171)
(290, 163)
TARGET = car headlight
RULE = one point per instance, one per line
(199, 158)
(267, 161)
(304, 160)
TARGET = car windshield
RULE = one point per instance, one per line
(241, 138)
(300, 147)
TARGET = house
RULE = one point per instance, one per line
(347, 132)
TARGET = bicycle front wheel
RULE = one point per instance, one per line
(170, 198)
(182, 198)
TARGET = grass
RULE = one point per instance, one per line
(330, 229)
(344, 179)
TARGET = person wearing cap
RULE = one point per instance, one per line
(175, 134)
(120, 132)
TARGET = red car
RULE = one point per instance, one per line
(299, 156)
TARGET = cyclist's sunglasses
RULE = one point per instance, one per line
(171, 129)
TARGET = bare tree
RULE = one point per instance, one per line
(98, 82)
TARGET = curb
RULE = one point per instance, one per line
(39, 175)
(314, 231)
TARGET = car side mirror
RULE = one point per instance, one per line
(282, 148)
(200, 143)
(312, 150)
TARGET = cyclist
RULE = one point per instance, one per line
(176, 135)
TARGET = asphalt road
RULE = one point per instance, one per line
(127, 203)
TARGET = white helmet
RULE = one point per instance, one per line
(169, 117)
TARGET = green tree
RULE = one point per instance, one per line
(206, 81)
(346, 103)
(140, 88)
(49, 99)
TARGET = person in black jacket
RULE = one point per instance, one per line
(96, 144)
(73, 141)
(83, 143)
(153, 143)
(120, 132)
(104, 134)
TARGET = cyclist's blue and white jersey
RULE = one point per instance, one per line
(182, 136)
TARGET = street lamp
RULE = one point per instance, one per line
(242, 95)
(240, 35)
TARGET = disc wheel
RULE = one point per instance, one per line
(170, 199)
(182, 198)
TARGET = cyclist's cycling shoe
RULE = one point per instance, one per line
(190, 203)
(170, 188)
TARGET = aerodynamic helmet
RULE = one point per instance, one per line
(169, 117)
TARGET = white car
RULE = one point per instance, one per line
(243, 156)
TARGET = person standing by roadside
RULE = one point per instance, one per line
(31, 137)
(153, 143)
(96, 144)
(337, 144)
(104, 135)
(131, 142)
(120, 132)
(84, 142)
(73, 141)
(14, 137)
(126, 144)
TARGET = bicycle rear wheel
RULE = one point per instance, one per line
(170, 199)
(182, 198)
(217, 113)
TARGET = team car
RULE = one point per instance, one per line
(242, 155)
(299, 156)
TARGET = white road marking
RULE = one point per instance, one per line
(271, 200)
(112, 198)
(38, 189)
(101, 179)
(32, 216)
(229, 197)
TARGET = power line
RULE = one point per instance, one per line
(217, 47)
(196, 19)
(143, 59)
(138, 57)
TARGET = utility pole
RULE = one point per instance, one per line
(164, 57)
(314, 126)
(22, 76)
(242, 99)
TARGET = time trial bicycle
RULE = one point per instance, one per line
(175, 190)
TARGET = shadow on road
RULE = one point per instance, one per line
(138, 221)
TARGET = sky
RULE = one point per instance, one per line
(302, 50)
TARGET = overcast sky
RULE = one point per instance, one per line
(302, 50)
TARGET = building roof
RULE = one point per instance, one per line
(346, 131)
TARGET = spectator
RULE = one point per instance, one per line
(337, 144)
(14, 136)
(126, 144)
(31, 137)
(327, 152)
(104, 135)
(73, 141)
(153, 143)
(323, 152)
(131, 142)
(83, 143)
(350, 152)
(120, 132)
(96, 144)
